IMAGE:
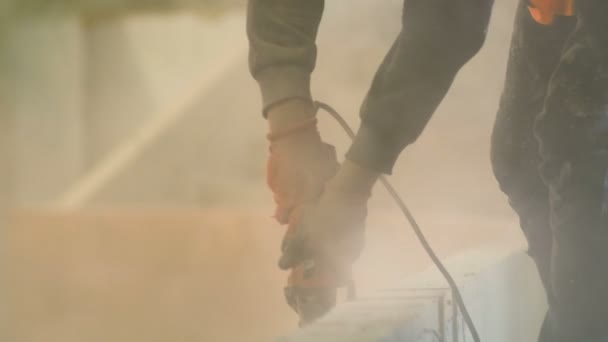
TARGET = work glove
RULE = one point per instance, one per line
(325, 219)
(328, 233)
(324, 240)
(298, 166)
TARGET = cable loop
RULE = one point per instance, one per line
(417, 230)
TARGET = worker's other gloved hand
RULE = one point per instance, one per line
(299, 166)
(323, 241)
(329, 232)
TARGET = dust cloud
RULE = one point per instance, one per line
(170, 238)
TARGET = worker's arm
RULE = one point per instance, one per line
(283, 52)
(438, 37)
(282, 56)
(282, 36)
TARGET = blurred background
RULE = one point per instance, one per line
(133, 205)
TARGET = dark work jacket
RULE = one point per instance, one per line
(437, 38)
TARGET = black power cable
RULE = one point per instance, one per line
(410, 218)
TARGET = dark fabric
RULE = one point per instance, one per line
(282, 48)
(534, 55)
(550, 156)
(573, 135)
(437, 38)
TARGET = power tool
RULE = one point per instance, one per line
(312, 288)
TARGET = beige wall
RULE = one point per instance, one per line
(138, 67)
(74, 90)
(42, 69)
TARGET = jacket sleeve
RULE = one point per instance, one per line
(437, 38)
(282, 49)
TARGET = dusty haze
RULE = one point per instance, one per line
(147, 159)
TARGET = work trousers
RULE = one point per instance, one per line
(550, 156)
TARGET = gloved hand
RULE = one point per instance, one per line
(299, 163)
(330, 232)
(323, 240)
(325, 233)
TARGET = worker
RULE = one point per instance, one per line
(549, 145)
